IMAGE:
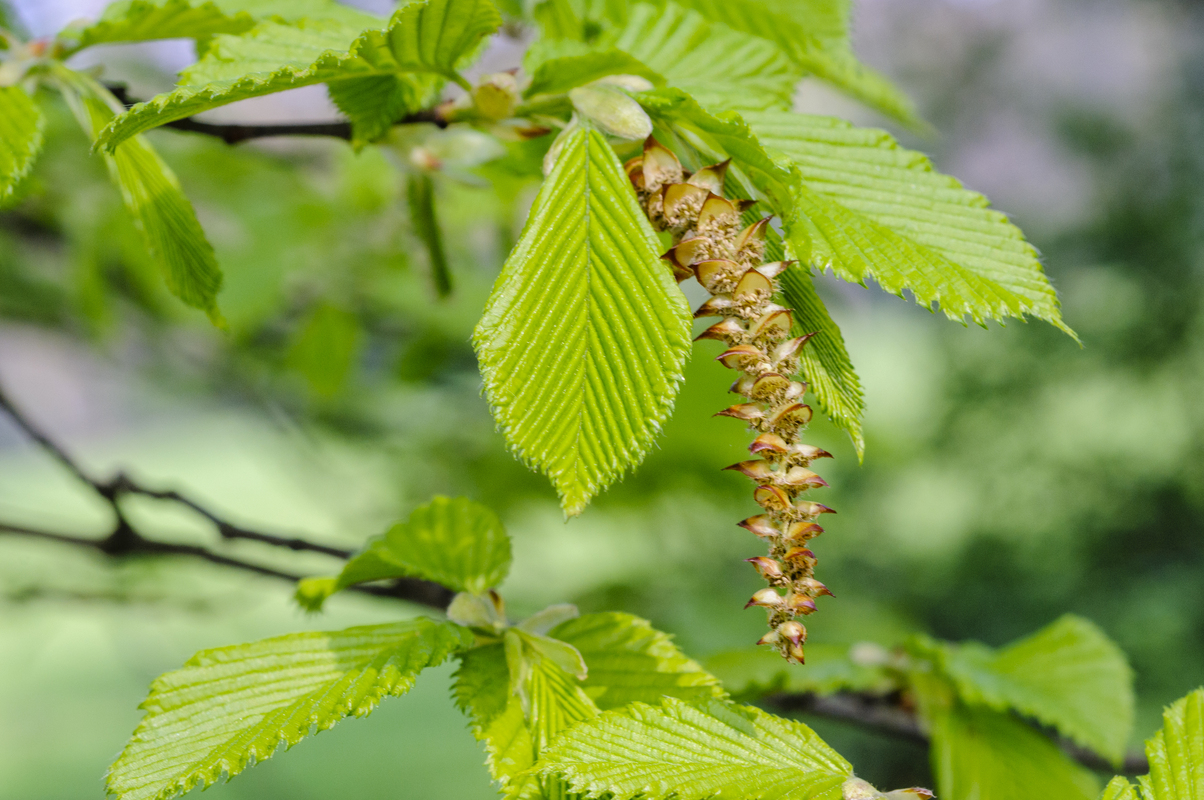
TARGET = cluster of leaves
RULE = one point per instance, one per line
(714, 79)
(603, 703)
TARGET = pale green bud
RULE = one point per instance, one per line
(613, 111)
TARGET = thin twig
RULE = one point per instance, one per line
(125, 540)
(885, 715)
(234, 133)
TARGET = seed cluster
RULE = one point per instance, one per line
(727, 258)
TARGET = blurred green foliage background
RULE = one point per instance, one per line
(1010, 476)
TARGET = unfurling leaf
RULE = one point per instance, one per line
(866, 207)
(452, 541)
(583, 339)
(695, 751)
(232, 707)
(169, 227)
(1176, 753)
(21, 124)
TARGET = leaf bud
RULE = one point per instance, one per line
(613, 111)
(496, 95)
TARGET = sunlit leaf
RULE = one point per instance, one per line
(558, 75)
(1176, 753)
(426, 37)
(720, 68)
(21, 124)
(694, 751)
(868, 208)
(169, 227)
(583, 340)
(232, 707)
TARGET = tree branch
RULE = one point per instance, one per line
(234, 134)
(885, 715)
(126, 541)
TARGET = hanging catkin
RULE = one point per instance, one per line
(728, 261)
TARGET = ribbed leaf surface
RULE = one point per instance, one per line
(1176, 753)
(719, 67)
(429, 36)
(455, 542)
(375, 103)
(1068, 675)
(870, 208)
(558, 75)
(583, 340)
(979, 754)
(826, 364)
(235, 706)
(163, 215)
(146, 20)
(630, 661)
(695, 751)
(21, 124)
(1119, 788)
(813, 48)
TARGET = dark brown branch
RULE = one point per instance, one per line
(234, 134)
(124, 540)
(884, 714)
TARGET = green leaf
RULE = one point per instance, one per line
(1119, 788)
(513, 738)
(814, 49)
(452, 541)
(830, 668)
(558, 75)
(1068, 675)
(695, 751)
(980, 754)
(431, 37)
(630, 661)
(1176, 753)
(21, 125)
(235, 706)
(719, 67)
(584, 337)
(420, 194)
(152, 194)
(867, 207)
(375, 103)
(147, 20)
(825, 360)
(826, 20)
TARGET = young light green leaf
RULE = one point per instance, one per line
(21, 125)
(826, 20)
(1068, 675)
(235, 706)
(830, 668)
(866, 207)
(694, 751)
(147, 20)
(558, 75)
(452, 541)
(630, 661)
(1119, 788)
(1176, 753)
(583, 340)
(514, 737)
(826, 364)
(980, 754)
(830, 59)
(430, 36)
(152, 194)
(719, 67)
(375, 103)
